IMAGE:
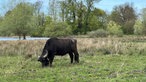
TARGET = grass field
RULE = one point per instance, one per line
(116, 65)
(99, 68)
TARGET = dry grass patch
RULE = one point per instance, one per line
(91, 46)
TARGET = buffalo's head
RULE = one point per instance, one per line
(44, 61)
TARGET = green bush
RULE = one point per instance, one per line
(98, 33)
(114, 29)
(57, 29)
(138, 28)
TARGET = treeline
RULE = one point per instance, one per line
(67, 17)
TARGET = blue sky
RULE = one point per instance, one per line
(106, 5)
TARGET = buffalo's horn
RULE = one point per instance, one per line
(45, 54)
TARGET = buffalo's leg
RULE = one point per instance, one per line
(71, 57)
(51, 60)
(76, 56)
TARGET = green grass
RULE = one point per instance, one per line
(97, 68)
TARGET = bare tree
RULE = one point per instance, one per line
(125, 16)
(54, 7)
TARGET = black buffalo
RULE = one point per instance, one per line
(56, 46)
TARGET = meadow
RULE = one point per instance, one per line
(109, 59)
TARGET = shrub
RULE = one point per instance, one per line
(57, 29)
(138, 27)
(114, 29)
(98, 33)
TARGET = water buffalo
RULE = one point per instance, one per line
(56, 46)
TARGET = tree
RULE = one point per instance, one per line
(114, 29)
(89, 4)
(63, 10)
(54, 9)
(18, 21)
(38, 19)
(144, 20)
(23, 13)
(40, 16)
(77, 13)
(68, 11)
(8, 5)
(38, 24)
(98, 19)
(125, 16)
(79, 20)
(57, 29)
(138, 27)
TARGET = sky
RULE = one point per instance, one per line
(106, 5)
